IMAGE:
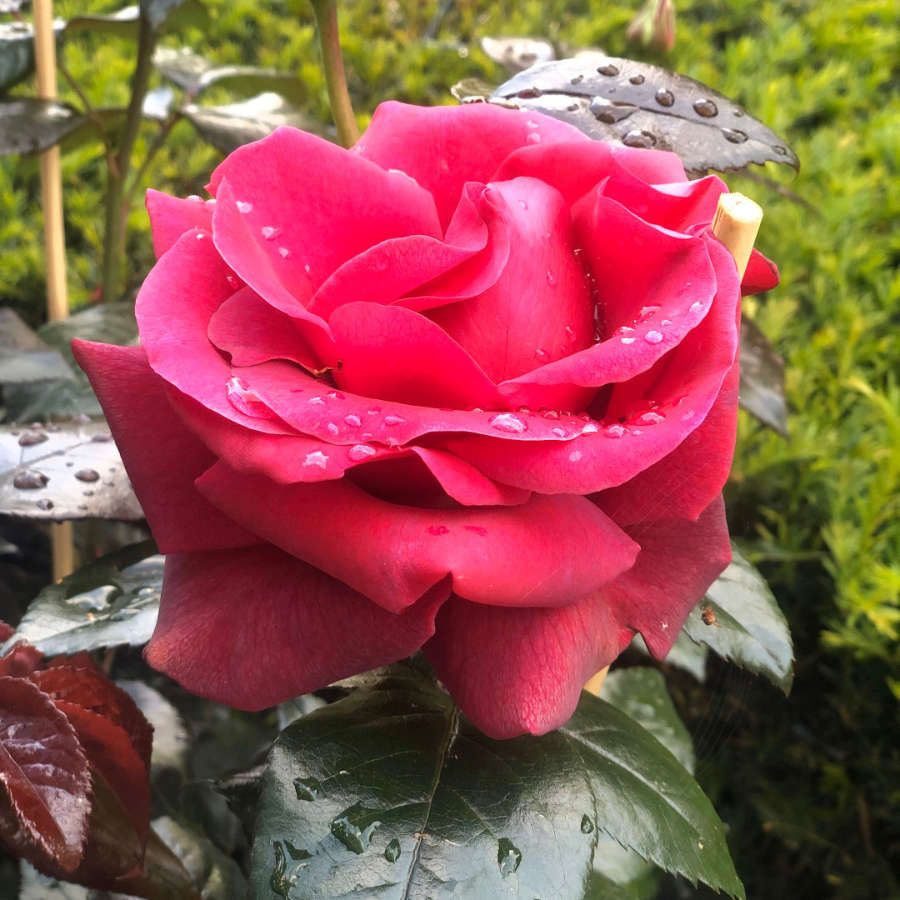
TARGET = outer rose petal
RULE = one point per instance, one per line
(515, 671)
(171, 217)
(652, 166)
(761, 274)
(253, 627)
(679, 560)
(161, 456)
(443, 147)
(550, 551)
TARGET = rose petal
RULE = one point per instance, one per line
(171, 217)
(161, 456)
(550, 551)
(443, 147)
(652, 166)
(515, 671)
(252, 331)
(427, 366)
(300, 630)
(761, 274)
(540, 309)
(679, 560)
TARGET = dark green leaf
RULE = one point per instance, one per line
(640, 692)
(390, 793)
(122, 23)
(518, 53)
(685, 654)
(195, 74)
(112, 601)
(28, 125)
(762, 378)
(171, 14)
(64, 471)
(215, 875)
(24, 357)
(640, 105)
(227, 127)
(741, 621)
(16, 53)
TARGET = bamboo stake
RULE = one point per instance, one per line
(62, 534)
(736, 225)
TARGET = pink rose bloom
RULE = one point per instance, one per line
(469, 387)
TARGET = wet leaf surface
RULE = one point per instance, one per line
(391, 792)
(641, 105)
(740, 620)
(112, 601)
(64, 471)
(24, 357)
(29, 125)
(762, 378)
(228, 127)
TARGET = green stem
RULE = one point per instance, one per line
(155, 146)
(333, 63)
(116, 211)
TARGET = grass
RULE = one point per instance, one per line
(818, 510)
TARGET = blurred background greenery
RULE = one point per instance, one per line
(810, 786)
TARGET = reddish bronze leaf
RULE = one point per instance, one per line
(44, 779)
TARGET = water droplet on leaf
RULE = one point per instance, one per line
(642, 140)
(608, 69)
(88, 475)
(509, 856)
(664, 97)
(587, 826)
(392, 851)
(30, 438)
(354, 827)
(307, 788)
(735, 135)
(706, 108)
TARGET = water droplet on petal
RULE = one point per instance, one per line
(88, 475)
(575, 456)
(332, 429)
(360, 452)
(523, 204)
(534, 138)
(664, 97)
(30, 480)
(316, 401)
(270, 231)
(590, 428)
(587, 826)
(392, 851)
(352, 420)
(283, 252)
(243, 206)
(651, 418)
(509, 423)
(393, 420)
(307, 788)
(653, 337)
(541, 353)
(316, 458)
(615, 431)
(509, 856)
(558, 432)
(706, 108)
(551, 278)
(648, 311)
(627, 340)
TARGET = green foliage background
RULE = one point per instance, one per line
(810, 785)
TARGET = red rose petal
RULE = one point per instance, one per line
(161, 456)
(652, 166)
(761, 275)
(299, 629)
(171, 217)
(443, 147)
(550, 551)
(516, 671)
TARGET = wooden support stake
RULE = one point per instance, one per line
(736, 225)
(62, 535)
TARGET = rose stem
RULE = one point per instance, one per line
(333, 63)
(736, 225)
(54, 235)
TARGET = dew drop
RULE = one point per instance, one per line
(30, 438)
(653, 337)
(587, 826)
(438, 530)
(393, 420)
(231, 281)
(283, 252)
(307, 788)
(637, 79)
(610, 113)
(550, 413)
(352, 420)
(243, 206)
(534, 138)
(781, 151)
(575, 456)
(509, 423)
(269, 232)
(706, 108)
(570, 332)
(316, 458)
(44, 504)
(696, 306)
(640, 139)
(541, 353)
(523, 204)
(627, 340)
(590, 428)
(648, 311)
(664, 97)
(392, 851)
(354, 828)
(200, 236)
(336, 395)
(558, 432)
(316, 401)
(30, 480)
(734, 135)
(332, 429)
(509, 856)
(88, 475)
(614, 431)
(577, 79)
(651, 418)
(551, 278)
(359, 452)
(608, 69)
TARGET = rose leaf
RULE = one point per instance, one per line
(762, 378)
(740, 620)
(641, 105)
(44, 779)
(391, 790)
(112, 601)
